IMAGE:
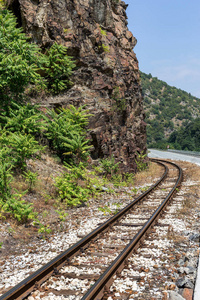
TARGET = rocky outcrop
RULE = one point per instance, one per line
(107, 77)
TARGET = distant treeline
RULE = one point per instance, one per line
(172, 115)
(187, 137)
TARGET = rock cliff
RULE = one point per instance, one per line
(107, 77)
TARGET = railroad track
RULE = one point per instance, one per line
(87, 269)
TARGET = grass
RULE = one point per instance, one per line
(190, 202)
(54, 214)
(150, 173)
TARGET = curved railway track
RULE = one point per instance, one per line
(103, 253)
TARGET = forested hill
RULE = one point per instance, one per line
(168, 110)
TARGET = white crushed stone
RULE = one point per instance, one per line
(162, 244)
(15, 269)
(104, 261)
(155, 251)
(69, 283)
(51, 296)
(190, 183)
(138, 260)
(124, 284)
(77, 271)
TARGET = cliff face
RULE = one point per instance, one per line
(107, 77)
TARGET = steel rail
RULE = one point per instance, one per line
(104, 282)
(26, 286)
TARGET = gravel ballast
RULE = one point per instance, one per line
(163, 268)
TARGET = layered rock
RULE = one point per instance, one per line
(107, 77)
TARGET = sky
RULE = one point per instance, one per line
(168, 40)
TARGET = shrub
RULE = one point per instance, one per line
(5, 174)
(74, 186)
(78, 116)
(77, 147)
(124, 179)
(21, 63)
(43, 229)
(26, 119)
(19, 60)
(18, 208)
(30, 178)
(141, 162)
(21, 147)
(66, 132)
(109, 166)
(58, 68)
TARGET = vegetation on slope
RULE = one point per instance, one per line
(22, 63)
(24, 128)
(32, 138)
(187, 137)
(168, 112)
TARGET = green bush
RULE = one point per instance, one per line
(109, 166)
(21, 63)
(19, 60)
(74, 186)
(58, 68)
(21, 147)
(11, 204)
(5, 173)
(77, 185)
(66, 133)
(30, 178)
(26, 119)
(141, 162)
(17, 208)
(77, 147)
(78, 116)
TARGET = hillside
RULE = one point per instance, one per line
(106, 78)
(55, 155)
(167, 109)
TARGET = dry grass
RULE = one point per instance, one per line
(192, 171)
(176, 238)
(43, 194)
(19, 184)
(191, 200)
(154, 171)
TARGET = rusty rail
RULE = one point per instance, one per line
(25, 287)
(104, 282)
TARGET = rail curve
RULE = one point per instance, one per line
(102, 284)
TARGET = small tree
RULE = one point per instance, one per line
(66, 133)
(21, 147)
(58, 68)
(25, 119)
(78, 147)
(19, 60)
(110, 166)
(5, 173)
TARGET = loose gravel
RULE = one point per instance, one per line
(166, 262)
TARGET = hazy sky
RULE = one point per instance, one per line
(168, 35)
